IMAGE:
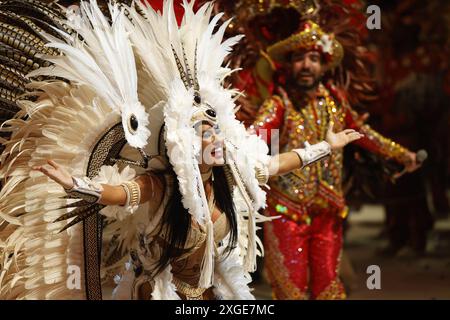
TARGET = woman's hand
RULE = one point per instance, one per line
(341, 139)
(56, 173)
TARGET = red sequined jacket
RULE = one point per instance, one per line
(320, 184)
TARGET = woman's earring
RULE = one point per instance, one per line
(212, 176)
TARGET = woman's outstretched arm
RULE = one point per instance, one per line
(148, 186)
(288, 161)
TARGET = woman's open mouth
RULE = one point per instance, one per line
(217, 153)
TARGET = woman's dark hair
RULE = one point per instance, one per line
(177, 220)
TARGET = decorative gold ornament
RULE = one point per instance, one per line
(258, 7)
(310, 37)
(190, 292)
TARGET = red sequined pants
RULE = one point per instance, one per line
(299, 256)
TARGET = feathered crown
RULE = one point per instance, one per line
(187, 97)
(133, 64)
(126, 79)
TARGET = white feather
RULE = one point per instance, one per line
(104, 61)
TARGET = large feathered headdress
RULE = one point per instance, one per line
(131, 79)
(186, 75)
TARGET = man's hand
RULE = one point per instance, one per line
(341, 139)
(412, 165)
(56, 173)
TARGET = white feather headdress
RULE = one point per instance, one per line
(120, 71)
(155, 36)
(130, 65)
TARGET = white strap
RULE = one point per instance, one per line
(84, 188)
(313, 153)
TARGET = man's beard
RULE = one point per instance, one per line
(303, 86)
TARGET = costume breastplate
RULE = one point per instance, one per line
(318, 183)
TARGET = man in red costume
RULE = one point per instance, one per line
(303, 247)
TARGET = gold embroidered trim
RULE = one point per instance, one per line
(334, 291)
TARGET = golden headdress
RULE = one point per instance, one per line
(310, 37)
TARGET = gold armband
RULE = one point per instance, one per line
(262, 174)
(133, 194)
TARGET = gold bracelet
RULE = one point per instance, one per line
(262, 174)
(133, 193)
